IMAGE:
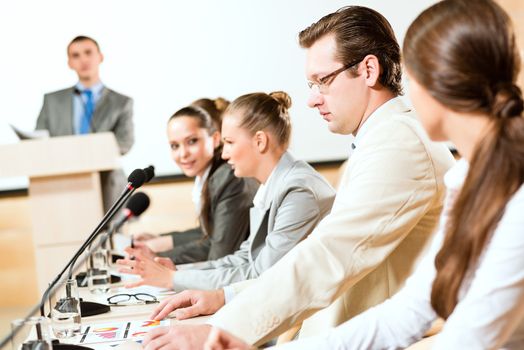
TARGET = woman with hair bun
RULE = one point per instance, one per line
(215, 108)
(290, 201)
(463, 63)
(222, 200)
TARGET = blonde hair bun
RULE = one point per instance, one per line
(221, 104)
(282, 98)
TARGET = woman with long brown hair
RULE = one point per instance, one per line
(462, 62)
(221, 200)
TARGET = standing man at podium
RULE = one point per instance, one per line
(90, 107)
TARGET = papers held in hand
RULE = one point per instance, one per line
(30, 135)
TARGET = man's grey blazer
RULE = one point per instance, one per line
(296, 199)
(113, 112)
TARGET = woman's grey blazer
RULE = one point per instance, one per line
(296, 199)
(230, 200)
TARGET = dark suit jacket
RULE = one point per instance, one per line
(113, 112)
(231, 198)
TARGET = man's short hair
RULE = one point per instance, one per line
(82, 38)
(360, 31)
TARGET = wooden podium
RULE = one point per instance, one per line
(64, 192)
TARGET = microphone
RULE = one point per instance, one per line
(137, 204)
(137, 178)
(150, 172)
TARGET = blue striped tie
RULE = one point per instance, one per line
(89, 107)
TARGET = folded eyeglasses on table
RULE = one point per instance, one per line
(128, 299)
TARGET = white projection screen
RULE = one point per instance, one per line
(165, 54)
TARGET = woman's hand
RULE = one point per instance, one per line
(153, 272)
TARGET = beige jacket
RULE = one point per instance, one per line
(385, 211)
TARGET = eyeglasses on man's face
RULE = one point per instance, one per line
(323, 83)
(129, 299)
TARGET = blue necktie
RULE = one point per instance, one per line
(89, 107)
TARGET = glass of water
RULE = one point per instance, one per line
(31, 334)
(98, 276)
(65, 310)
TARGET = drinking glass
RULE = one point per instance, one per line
(98, 276)
(31, 334)
(65, 310)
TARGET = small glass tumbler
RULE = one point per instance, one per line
(65, 310)
(98, 275)
(31, 334)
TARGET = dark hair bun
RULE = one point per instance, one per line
(508, 101)
(282, 98)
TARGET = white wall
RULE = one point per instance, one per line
(165, 54)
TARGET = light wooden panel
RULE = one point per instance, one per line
(17, 265)
(64, 208)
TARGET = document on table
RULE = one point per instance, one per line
(118, 331)
(30, 135)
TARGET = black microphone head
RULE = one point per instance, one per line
(150, 172)
(137, 178)
(138, 203)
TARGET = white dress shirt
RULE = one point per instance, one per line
(198, 186)
(490, 311)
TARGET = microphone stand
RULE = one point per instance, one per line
(108, 216)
